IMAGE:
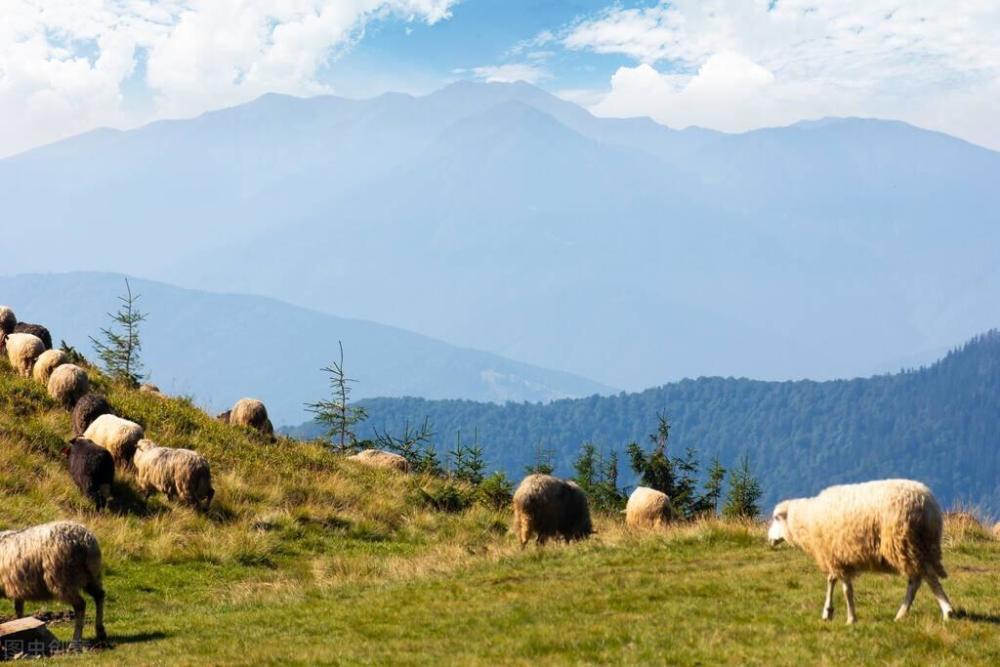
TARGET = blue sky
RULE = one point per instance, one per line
(67, 66)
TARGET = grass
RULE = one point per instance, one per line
(308, 559)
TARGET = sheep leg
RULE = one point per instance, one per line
(849, 598)
(831, 581)
(19, 608)
(942, 598)
(79, 614)
(95, 591)
(911, 591)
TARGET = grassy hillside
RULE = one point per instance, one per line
(306, 558)
(940, 424)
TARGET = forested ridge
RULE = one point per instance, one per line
(939, 424)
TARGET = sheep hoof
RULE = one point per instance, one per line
(948, 614)
(851, 620)
(828, 614)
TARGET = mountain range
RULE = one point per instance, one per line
(501, 218)
(220, 347)
(939, 424)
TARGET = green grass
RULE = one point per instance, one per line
(307, 559)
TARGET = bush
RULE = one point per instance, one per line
(495, 491)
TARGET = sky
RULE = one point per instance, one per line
(68, 66)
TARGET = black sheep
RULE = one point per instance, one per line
(92, 468)
(87, 409)
(35, 330)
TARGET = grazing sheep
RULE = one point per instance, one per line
(53, 561)
(7, 320)
(147, 388)
(891, 526)
(87, 409)
(35, 330)
(251, 412)
(224, 416)
(176, 473)
(22, 351)
(376, 458)
(92, 468)
(68, 384)
(647, 508)
(546, 507)
(47, 362)
(119, 436)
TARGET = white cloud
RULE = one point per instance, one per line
(738, 64)
(64, 66)
(511, 72)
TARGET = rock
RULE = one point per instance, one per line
(26, 637)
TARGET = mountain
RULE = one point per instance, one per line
(498, 217)
(220, 347)
(939, 424)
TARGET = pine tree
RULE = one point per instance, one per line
(121, 347)
(337, 414)
(684, 499)
(655, 469)
(542, 463)
(713, 487)
(744, 492)
(467, 461)
(411, 445)
(585, 468)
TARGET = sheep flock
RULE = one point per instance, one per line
(887, 526)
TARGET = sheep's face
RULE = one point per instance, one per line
(777, 532)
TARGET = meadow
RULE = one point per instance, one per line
(308, 559)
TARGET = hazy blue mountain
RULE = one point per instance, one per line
(501, 218)
(220, 347)
(939, 424)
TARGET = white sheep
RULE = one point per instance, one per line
(22, 352)
(251, 413)
(647, 508)
(376, 458)
(47, 362)
(118, 436)
(176, 473)
(68, 384)
(890, 526)
(53, 561)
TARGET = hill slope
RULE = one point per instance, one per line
(939, 424)
(220, 347)
(501, 218)
(327, 562)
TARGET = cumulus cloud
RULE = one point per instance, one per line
(64, 66)
(511, 72)
(738, 64)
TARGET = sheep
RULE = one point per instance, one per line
(87, 409)
(7, 320)
(176, 473)
(146, 388)
(546, 506)
(647, 508)
(889, 526)
(35, 330)
(53, 561)
(68, 384)
(251, 412)
(996, 530)
(119, 436)
(93, 470)
(376, 458)
(47, 362)
(22, 351)
(224, 416)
